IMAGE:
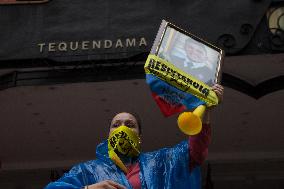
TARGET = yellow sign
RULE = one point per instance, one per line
(179, 79)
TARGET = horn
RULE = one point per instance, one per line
(190, 122)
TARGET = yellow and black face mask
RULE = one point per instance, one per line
(126, 142)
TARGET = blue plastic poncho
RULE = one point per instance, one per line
(165, 168)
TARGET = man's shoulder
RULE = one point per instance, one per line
(83, 166)
(182, 145)
(177, 59)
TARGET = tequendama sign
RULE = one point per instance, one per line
(65, 46)
(72, 30)
(7, 2)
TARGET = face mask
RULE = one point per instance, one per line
(126, 142)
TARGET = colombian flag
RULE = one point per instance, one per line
(174, 90)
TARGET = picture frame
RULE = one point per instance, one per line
(188, 53)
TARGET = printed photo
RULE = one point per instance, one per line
(191, 55)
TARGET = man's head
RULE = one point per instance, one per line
(127, 119)
(195, 51)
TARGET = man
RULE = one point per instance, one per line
(176, 167)
(194, 61)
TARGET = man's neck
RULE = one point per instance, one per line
(127, 160)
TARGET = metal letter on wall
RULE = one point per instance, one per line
(7, 2)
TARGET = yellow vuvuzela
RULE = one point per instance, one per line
(190, 122)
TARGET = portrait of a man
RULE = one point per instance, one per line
(190, 56)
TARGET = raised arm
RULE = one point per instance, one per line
(198, 148)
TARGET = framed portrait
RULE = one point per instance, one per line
(189, 53)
